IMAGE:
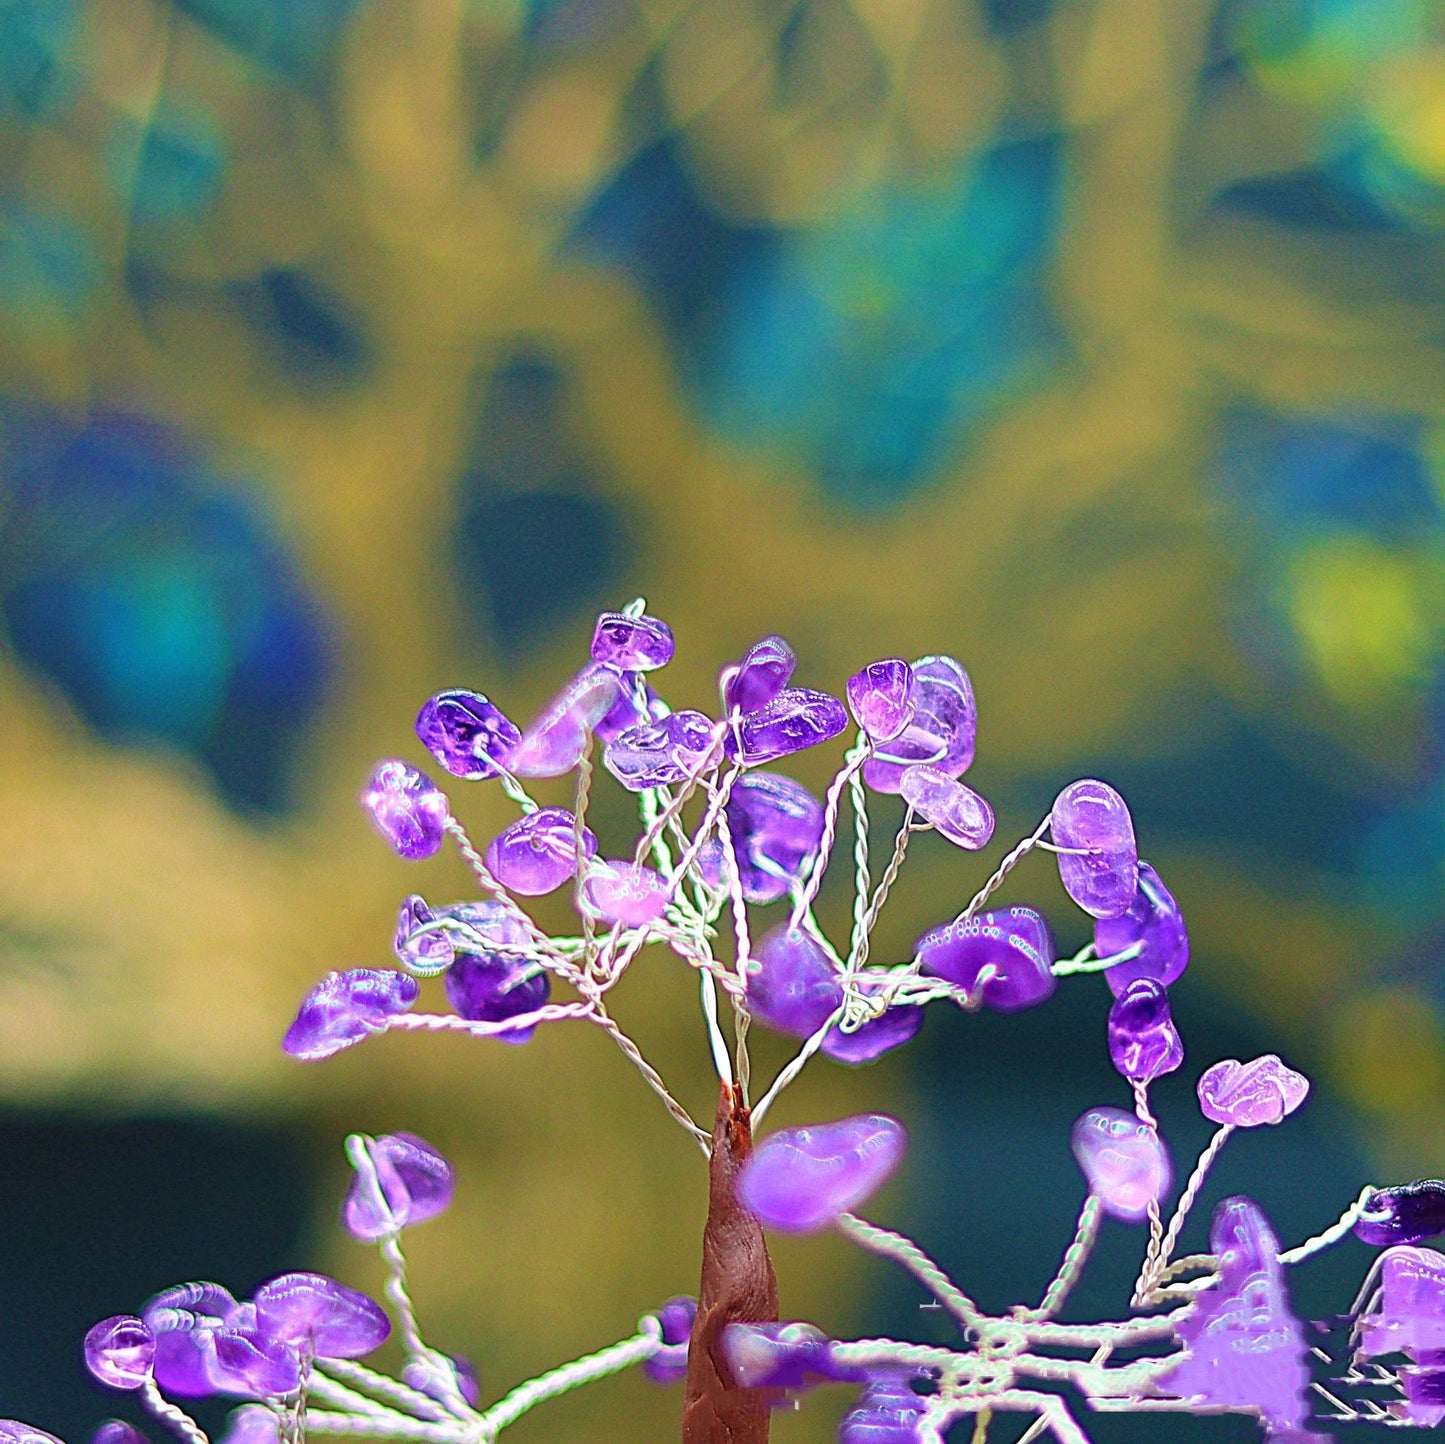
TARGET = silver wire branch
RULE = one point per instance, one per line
(375, 1426)
(1334, 1233)
(158, 1405)
(1149, 1276)
(717, 1042)
(1087, 961)
(859, 954)
(862, 884)
(1019, 852)
(450, 1023)
(359, 1378)
(795, 1065)
(902, 1250)
(605, 1020)
(339, 1396)
(582, 796)
(1075, 1257)
(852, 762)
(484, 876)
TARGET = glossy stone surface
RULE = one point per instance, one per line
(657, 754)
(1089, 814)
(776, 1356)
(487, 987)
(250, 1362)
(538, 853)
(795, 719)
(1123, 1160)
(800, 1179)
(408, 1182)
(119, 1351)
(634, 706)
(1154, 920)
(1014, 942)
(421, 952)
(344, 1008)
(336, 1322)
(1250, 1094)
(408, 808)
(887, 1412)
(776, 826)
(117, 1431)
(866, 1044)
(251, 1424)
(466, 733)
(759, 677)
(1246, 1349)
(14, 1431)
(632, 644)
(620, 891)
(880, 698)
(185, 1321)
(553, 745)
(1424, 1405)
(1410, 1315)
(1144, 1044)
(793, 986)
(1413, 1212)
(956, 811)
(943, 730)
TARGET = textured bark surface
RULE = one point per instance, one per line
(738, 1286)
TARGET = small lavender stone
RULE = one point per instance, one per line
(943, 730)
(336, 1322)
(958, 812)
(657, 754)
(13, 1431)
(623, 892)
(408, 1183)
(553, 745)
(1248, 1095)
(117, 1431)
(775, 1356)
(776, 826)
(793, 986)
(409, 810)
(466, 733)
(1153, 919)
(795, 719)
(1424, 1405)
(631, 709)
(424, 1375)
(676, 1318)
(421, 951)
(1104, 877)
(185, 1356)
(538, 853)
(801, 1179)
(251, 1424)
(344, 1008)
(492, 987)
(1410, 1317)
(632, 644)
(867, 1043)
(1409, 1213)
(119, 1351)
(759, 677)
(1144, 1044)
(887, 1412)
(1123, 1160)
(881, 698)
(1014, 942)
(250, 1362)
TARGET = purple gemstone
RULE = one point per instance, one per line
(801, 1179)
(251, 1424)
(892, 1028)
(775, 1356)
(422, 1375)
(776, 826)
(13, 1431)
(553, 745)
(466, 733)
(630, 709)
(337, 1322)
(1406, 1214)
(632, 644)
(422, 952)
(1424, 1406)
(408, 808)
(492, 987)
(249, 1362)
(887, 1412)
(1154, 920)
(1015, 942)
(657, 754)
(344, 1008)
(942, 732)
(538, 853)
(796, 718)
(881, 698)
(793, 986)
(1090, 814)
(1123, 1160)
(1250, 1094)
(185, 1359)
(624, 892)
(119, 1351)
(958, 812)
(117, 1431)
(1411, 1314)
(1143, 1041)
(759, 677)
(412, 1183)
(669, 1364)
(204, 1301)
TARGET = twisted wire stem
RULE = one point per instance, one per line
(171, 1414)
(904, 1251)
(1158, 1259)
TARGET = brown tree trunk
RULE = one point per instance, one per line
(738, 1286)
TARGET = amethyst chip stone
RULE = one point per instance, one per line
(1410, 1317)
(795, 719)
(1123, 1160)
(117, 1431)
(1104, 877)
(776, 826)
(250, 1424)
(409, 810)
(800, 1179)
(1247, 1095)
(675, 1318)
(1409, 1213)
(13, 1431)
(538, 853)
(867, 1043)
(632, 644)
(426, 1377)
(344, 1008)
(776, 1356)
(956, 811)
(492, 987)
(1153, 919)
(624, 892)
(120, 1351)
(881, 698)
(400, 1180)
(759, 677)
(887, 1412)
(466, 733)
(310, 1309)
(657, 754)
(1014, 942)
(793, 986)
(420, 950)
(942, 732)
(1144, 1044)
(553, 745)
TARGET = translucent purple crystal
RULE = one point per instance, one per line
(1248, 1095)
(336, 1322)
(408, 808)
(624, 892)
(795, 719)
(657, 754)
(776, 826)
(793, 986)
(1152, 919)
(117, 1431)
(887, 1412)
(251, 1424)
(881, 698)
(185, 1320)
(466, 733)
(408, 1182)
(958, 812)
(676, 1317)
(248, 1361)
(800, 1179)
(759, 677)
(942, 732)
(1144, 1044)
(424, 1375)
(776, 1356)
(891, 1029)
(632, 644)
(1406, 1214)
(634, 705)
(421, 951)
(344, 1008)
(553, 745)
(1123, 1160)
(489, 987)
(1246, 1350)
(1424, 1404)
(1090, 815)
(119, 1351)
(1014, 942)
(538, 853)
(13, 1431)
(1410, 1317)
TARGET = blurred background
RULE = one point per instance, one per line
(352, 349)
